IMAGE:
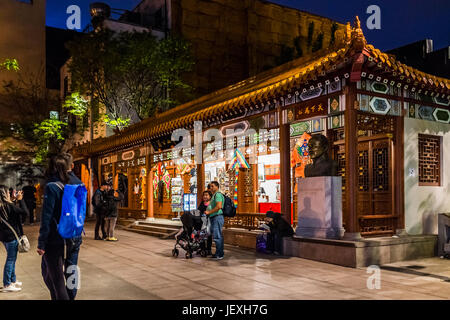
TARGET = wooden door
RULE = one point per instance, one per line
(375, 196)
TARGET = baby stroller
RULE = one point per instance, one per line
(192, 236)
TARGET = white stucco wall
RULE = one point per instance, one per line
(422, 204)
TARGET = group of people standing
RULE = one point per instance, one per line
(105, 202)
(212, 205)
(58, 254)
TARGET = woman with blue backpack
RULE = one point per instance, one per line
(50, 243)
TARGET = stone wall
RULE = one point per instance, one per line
(423, 204)
(236, 39)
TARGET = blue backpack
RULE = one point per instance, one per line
(73, 210)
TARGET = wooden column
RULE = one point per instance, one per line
(200, 183)
(150, 199)
(285, 172)
(351, 170)
(399, 172)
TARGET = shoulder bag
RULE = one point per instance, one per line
(24, 244)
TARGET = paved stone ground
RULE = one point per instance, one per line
(141, 267)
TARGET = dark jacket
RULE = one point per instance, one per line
(29, 197)
(51, 212)
(73, 179)
(14, 217)
(99, 202)
(112, 201)
(281, 226)
(202, 208)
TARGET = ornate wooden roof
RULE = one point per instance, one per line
(350, 44)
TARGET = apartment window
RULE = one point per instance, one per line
(429, 160)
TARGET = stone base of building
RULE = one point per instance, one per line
(363, 253)
(240, 238)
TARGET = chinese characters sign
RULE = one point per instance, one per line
(308, 110)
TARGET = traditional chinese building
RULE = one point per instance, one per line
(388, 125)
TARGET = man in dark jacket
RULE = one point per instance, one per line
(29, 192)
(113, 197)
(279, 228)
(100, 209)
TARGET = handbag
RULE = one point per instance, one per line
(24, 244)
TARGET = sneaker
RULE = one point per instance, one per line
(11, 288)
(17, 284)
(107, 239)
(113, 239)
(98, 238)
(219, 258)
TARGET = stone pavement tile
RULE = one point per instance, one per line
(141, 267)
(263, 295)
(358, 282)
(438, 289)
(300, 296)
(334, 294)
(232, 286)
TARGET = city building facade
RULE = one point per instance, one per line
(387, 124)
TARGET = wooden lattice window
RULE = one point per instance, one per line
(429, 160)
(363, 170)
(380, 169)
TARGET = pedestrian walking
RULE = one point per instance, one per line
(29, 196)
(100, 209)
(10, 218)
(113, 197)
(215, 214)
(72, 245)
(50, 243)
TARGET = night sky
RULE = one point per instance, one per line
(402, 21)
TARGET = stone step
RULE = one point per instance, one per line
(157, 234)
(125, 222)
(159, 224)
(155, 228)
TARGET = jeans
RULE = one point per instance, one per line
(53, 273)
(110, 225)
(72, 251)
(9, 272)
(100, 223)
(216, 231)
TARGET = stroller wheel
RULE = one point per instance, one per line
(188, 255)
(203, 253)
(175, 252)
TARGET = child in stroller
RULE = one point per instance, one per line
(193, 235)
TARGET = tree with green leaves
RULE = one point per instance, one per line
(10, 65)
(130, 74)
(51, 135)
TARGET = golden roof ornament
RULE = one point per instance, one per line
(358, 38)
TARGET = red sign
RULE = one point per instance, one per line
(310, 110)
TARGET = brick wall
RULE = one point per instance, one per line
(236, 39)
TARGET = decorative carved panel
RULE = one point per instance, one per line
(376, 124)
(429, 160)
